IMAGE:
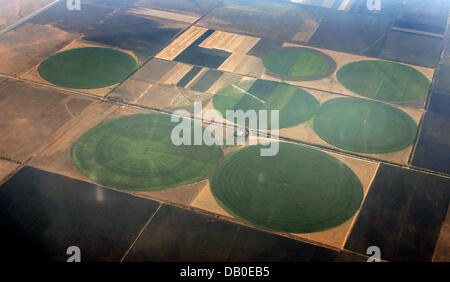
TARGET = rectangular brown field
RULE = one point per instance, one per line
(158, 96)
(173, 76)
(163, 15)
(154, 70)
(32, 115)
(154, 86)
(334, 237)
(182, 42)
(142, 80)
(130, 91)
(230, 42)
(28, 45)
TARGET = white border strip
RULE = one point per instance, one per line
(19, 22)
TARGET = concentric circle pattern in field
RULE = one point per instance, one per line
(299, 190)
(294, 104)
(364, 126)
(296, 63)
(87, 68)
(136, 152)
(385, 81)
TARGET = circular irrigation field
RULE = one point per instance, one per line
(87, 68)
(299, 190)
(385, 81)
(135, 152)
(364, 126)
(295, 105)
(298, 64)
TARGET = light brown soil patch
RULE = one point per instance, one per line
(181, 43)
(175, 74)
(163, 14)
(12, 11)
(28, 45)
(6, 168)
(32, 115)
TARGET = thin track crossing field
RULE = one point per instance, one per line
(294, 104)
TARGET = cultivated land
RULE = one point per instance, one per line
(300, 190)
(294, 104)
(299, 63)
(87, 68)
(135, 152)
(385, 81)
(364, 126)
(364, 146)
(296, 64)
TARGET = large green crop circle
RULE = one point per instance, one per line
(299, 190)
(364, 126)
(296, 63)
(136, 152)
(294, 104)
(87, 68)
(385, 81)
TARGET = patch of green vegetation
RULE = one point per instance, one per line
(87, 68)
(295, 105)
(364, 126)
(299, 190)
(295, 62)
(385, 81)
(136, 152)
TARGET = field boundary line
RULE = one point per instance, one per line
(140, 232)
(23, 20)
(247, 93)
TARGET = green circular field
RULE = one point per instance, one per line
(296, 63)
(87, 68)
(295, 105)
(364, 126)
(299, 190)
(385, 81)
(136, 152)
